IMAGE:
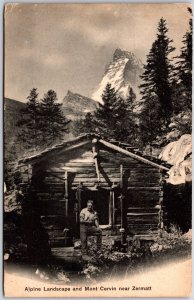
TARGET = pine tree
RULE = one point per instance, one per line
(29, 122)
(53, 122)
(156, 90)
(112, 119)
(130, 100)
(162, 49)
(104, 116)
(84, 125)
(150, 124)
(183, 72)
(182, 87)
(131, 115)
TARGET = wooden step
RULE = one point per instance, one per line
(54, 233)
(60, 242)
(66, 254)
(146, 237)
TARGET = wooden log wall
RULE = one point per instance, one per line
(141, 189)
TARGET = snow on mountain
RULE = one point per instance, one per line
(122, 73)
(178, 154)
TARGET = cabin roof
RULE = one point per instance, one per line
(85, 139)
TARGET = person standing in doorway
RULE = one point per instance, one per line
(89, 225)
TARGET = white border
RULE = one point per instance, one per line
(2, 3)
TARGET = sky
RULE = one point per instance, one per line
(67, 46)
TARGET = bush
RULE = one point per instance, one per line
(106, 261)
(172, 241)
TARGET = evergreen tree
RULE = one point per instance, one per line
(53, 122)
(125, 123)
(183, 73)
(29, 122)
(182, 87)
(131, 101)
(132, 116)
(84, 125)
(112, 119)
(186, 59)
(156, 90)
(150, 124)
(104, 116)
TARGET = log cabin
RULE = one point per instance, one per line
(126, 187)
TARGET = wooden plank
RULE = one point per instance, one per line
(59, 242)
(144, 188)
(53, 177)
(143, 179)
(141, 214)
(93, 174)
(59, 215)
(79, 164)
(143, 201)
(107, 165)
(114, 177)
(139, 184)
(147, 201)
(143, 217)
(65, 252)
(138, 233)
(56, 226)
(142, 227)
(144, 170)
(115, 162)
(50, 198)
(58, 183)
(54, 170)
(90, 184)
(88, 179)
(135, 193)
(144, 222)
(145, 237)
(144, 209)
(147, 195)
(55, 234)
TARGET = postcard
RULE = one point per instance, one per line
(97, 150)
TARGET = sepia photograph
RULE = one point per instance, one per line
(97, 150)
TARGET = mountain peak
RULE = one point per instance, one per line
(123, 73)
(69, 93)
(119, 53)
(76, 105)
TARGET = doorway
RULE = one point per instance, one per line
(101, 203)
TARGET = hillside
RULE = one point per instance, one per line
(12, 115)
